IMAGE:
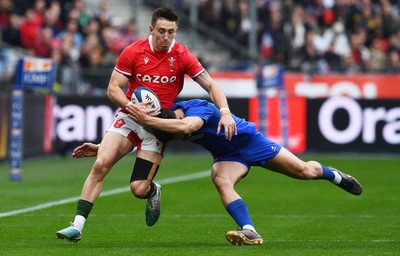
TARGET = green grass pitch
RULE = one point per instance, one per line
(294, 217)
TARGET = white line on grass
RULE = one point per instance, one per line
(177, 179)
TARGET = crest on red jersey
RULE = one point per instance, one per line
(171, 61)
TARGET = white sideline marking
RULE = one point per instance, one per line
(177, 179)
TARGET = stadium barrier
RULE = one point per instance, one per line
(367, 121)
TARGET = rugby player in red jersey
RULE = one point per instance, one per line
(159, 63)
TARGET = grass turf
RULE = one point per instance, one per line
(294, 217)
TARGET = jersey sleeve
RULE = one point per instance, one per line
(125, 62)
(192, 65)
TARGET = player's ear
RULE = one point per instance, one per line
(179, 113)
(151, 29)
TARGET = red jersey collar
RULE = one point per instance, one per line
(152, 48)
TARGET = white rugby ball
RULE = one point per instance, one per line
(143, 94)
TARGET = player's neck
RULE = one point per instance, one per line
(160, 52)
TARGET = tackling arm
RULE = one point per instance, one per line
(179, 127)
(183, 126)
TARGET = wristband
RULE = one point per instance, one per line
(224, 111)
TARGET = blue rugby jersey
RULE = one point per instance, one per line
(249, 146)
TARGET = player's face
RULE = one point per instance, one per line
(163, 33)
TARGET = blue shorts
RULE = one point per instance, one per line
(252, 150)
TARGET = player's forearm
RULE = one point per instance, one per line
(117, 96)
(175, 126)
(215, 92)
(218, 97)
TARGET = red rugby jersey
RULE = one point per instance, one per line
(163, 73)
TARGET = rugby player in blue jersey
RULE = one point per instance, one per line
(196, 121)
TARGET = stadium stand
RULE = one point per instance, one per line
(85, 37)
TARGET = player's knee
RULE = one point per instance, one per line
(139, 188)
(100, 169)
(221, 181)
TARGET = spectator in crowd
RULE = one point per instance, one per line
(52, 19)
(39, 8)
(308, 54)
(92, 28)
(295, 30)
(129, 32)
(29, 29)
(393, 43)
(10, 32)
(350, 65)
(69, 52)
(245, 25)
(43, 45)
(377, 58)
(93, 39)
(230, 18)
(340, 40)
(393, 63)
(337, 46)
(92, 43)
(83, 16)
(103, 14)
(333, 60)
(209, 12)
(72, 29)
(390, 23)
(113, 37)
(6, 9)
(274, 37)
(358, 51)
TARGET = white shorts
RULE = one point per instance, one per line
(135, 132)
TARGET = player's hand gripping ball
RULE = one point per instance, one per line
(143, 94)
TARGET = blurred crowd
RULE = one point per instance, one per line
(65, 31)
(315, 36)
(323, 36)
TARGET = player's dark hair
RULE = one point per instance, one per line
(161, 135)
(164, 13)
(167, 114)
